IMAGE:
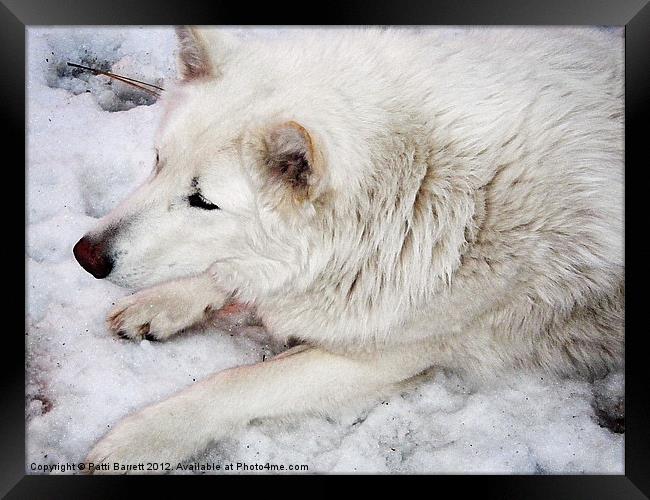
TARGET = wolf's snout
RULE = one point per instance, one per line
(92, 257)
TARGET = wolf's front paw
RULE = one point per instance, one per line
(135, 443)
(154, 314)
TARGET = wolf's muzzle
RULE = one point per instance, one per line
(93, 257)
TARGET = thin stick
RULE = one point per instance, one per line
(124, 79)
(128, 82)
(108, 73)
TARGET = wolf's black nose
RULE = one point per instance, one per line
(92, 257)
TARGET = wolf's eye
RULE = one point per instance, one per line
(196, 200)
(157, 165)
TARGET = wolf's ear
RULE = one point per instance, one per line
(293, 162)
(202, 51)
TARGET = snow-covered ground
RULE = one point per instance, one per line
(89, 144)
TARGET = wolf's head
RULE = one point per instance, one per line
(238, 166)
(287, 163)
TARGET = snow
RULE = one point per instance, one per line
(89, 145)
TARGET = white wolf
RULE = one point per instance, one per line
(395, 199)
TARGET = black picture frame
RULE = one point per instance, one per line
(17, 15)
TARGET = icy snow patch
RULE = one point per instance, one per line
(131, 55)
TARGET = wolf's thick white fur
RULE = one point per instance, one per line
(396, 199)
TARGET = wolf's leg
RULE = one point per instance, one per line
(158, 312)
(304, 379)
